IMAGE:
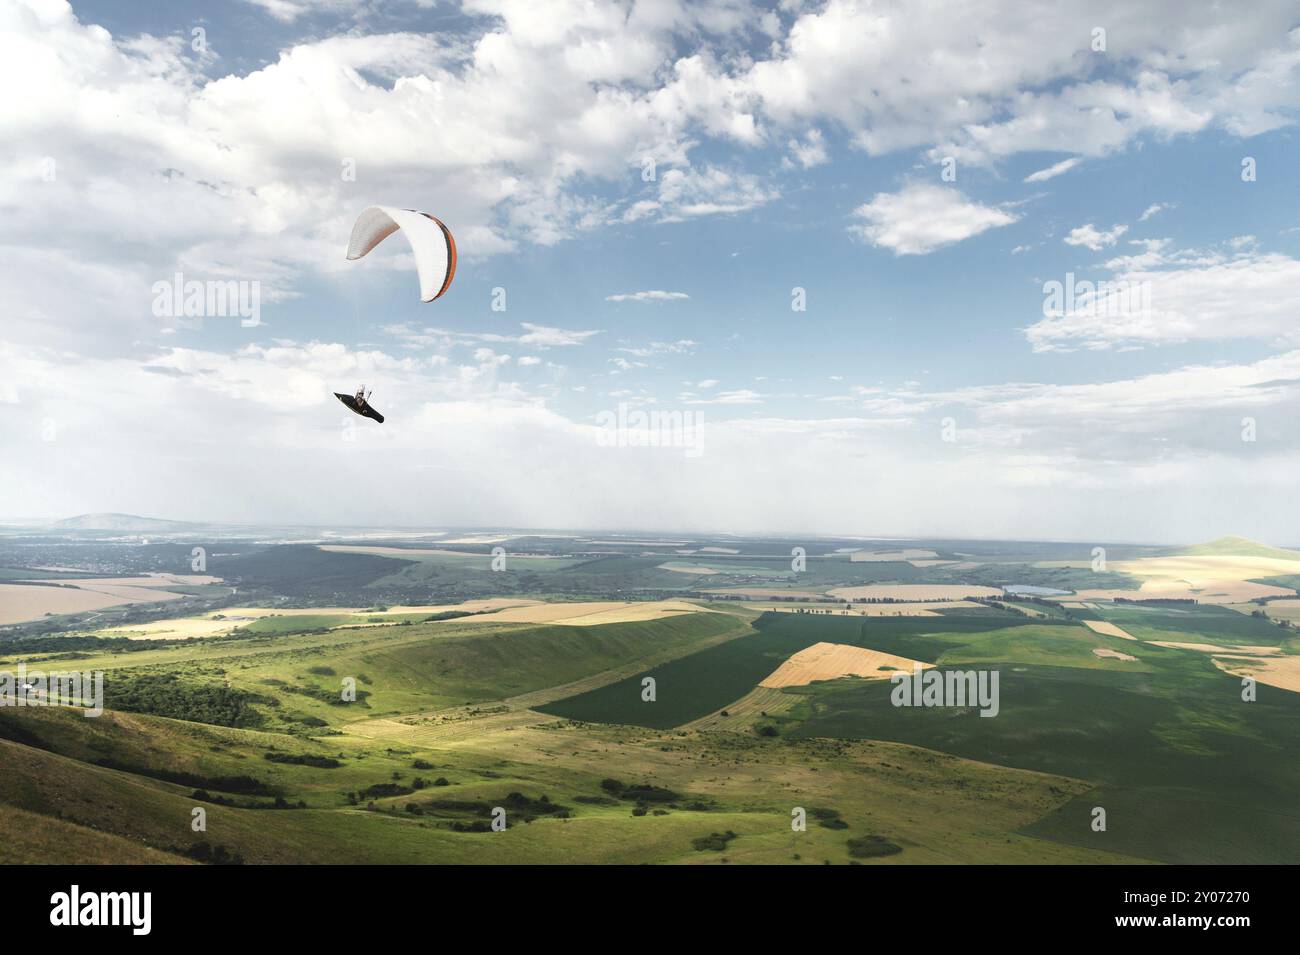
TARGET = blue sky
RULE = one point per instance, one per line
(796, 144)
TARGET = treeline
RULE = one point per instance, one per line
(243, 785)
(304, 759)
(167, 695)
(22, 646)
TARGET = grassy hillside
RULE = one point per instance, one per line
(1184, 767)
(460, 716)
(1237, 547)
(694, 686)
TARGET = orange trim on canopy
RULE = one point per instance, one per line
(451, 256)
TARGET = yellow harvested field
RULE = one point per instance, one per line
(1208, 568)
(589, 614)
(1112, 654)
(1235, 650)
(1212, 580)
(220, 624)
(179, 628)
(19, 602)
(890, 556)
(255, 612)
(677, 568)
(829, 661)
(763, 593)
(149, 580)
(1285, 609)
(409, 553)
(915, 592)
(469, 606)
(496, 610)
(30, 601)
(930, 563)
(1107, 629)
(760, 701)
(1280, 671)
(1205, 591)
(922, 609)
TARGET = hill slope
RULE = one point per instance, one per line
(123, 523)
(1237, 547)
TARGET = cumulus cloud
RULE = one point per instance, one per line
(529, 123)
(1165, 297)
(921, 218)
(706, 191)
(1090, 237)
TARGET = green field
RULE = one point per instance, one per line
(456, 715)
(694, 686)
(1172, 742)
(1193, 623)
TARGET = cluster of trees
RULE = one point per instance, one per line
(213, 855)
(167, 694)
(304, 759)
(713, 842)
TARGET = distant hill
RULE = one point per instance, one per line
(120, 523)
(1238, 547)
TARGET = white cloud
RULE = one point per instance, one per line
(1022, 444)
(543, 336)
(532, 335)
(1179, 297)
(526, 125)
(1090, 237)
(683, 346)
(709, 190)
(811, 151)
(290, 10)
(741, 396)
(652, 295)
(1051, 172)
(921, 218)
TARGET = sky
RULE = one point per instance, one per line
(750, 267)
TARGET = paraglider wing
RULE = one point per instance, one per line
(362, 409)
(431, 241)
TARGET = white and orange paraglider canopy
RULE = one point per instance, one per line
(431, 241)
